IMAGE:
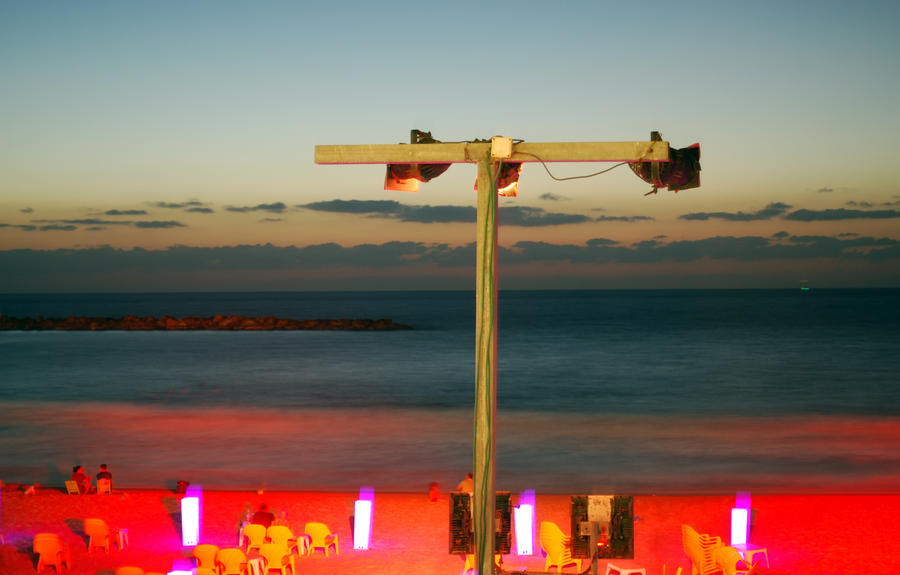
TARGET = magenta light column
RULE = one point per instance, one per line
(191, 513)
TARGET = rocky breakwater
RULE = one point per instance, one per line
(217, 323)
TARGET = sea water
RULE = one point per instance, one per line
(598, 391)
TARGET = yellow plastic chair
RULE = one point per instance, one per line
(255, 535)
(731, 562)
(99, 533)
(231, 561)
(72, 488)
(205, 554)
(321, 537)
(104, 487)
(129, 570)
(277, 557)
(51, 551)
(281, 535)
(557, 547)
(700, 549)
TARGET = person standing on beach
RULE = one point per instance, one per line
(467, 485)
(263, 516)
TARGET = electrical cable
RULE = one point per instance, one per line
(549, 173)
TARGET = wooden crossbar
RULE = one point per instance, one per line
(472, 152)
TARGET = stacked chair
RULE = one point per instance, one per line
(731, 562)
(557, 547)
(701, 550)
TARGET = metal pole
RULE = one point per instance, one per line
(485, 371)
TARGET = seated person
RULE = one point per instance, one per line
(104, 474)
(83, 481)
(263, 516)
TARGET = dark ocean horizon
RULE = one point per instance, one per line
(651, 391)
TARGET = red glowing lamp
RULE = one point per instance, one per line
(507, 181)
(406, 177)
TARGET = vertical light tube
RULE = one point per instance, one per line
(190, 516)
(362, 524)
(524, 523)
(362, 518)
(739, 517)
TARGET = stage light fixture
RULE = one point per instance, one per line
(406, 177)
(681, 172)
(507, 180)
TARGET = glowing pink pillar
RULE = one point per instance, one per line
(191, 513)
(362, 518)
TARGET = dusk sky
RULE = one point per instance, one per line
(168, 146)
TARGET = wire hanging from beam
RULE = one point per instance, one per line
(549, 173)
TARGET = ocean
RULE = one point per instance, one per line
(657, 391)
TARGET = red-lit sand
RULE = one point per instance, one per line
(804, 534)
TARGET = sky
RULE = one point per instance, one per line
(168, 146)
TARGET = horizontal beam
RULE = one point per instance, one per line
(472, 152)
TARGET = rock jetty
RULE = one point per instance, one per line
(218, 323)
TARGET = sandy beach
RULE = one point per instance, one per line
(802, 533)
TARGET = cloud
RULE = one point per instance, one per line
(629, 219)
(769, 212)
(27, 210)
(91, 267)
(275, 208)
(86, 222)
(437, 214)
(267, 220)
(856, 204)
(125, 212)
(395, 210)
(780, 235)
(158, 225)
(741, 249)
(23, 227)
(177, 206)
(58, 228)
(525, 216)
(824, 190)
(200, 210)
(840, 214)
(387, 207)
(550, 197)
(522, 216)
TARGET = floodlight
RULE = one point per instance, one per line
(507, 179)
(406, 177)
(681, 172)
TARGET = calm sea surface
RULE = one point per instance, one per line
(599, 391)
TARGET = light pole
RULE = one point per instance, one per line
(487, 155)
